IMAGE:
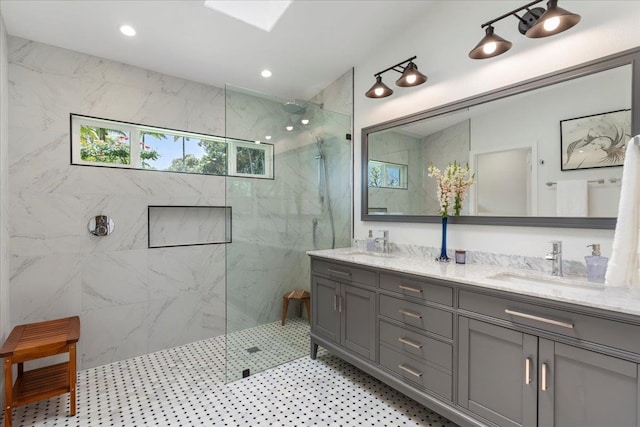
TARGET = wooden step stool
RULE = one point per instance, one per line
(302, 296)
(33, 341)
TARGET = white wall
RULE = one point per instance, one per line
(442, 42)
(4, 188)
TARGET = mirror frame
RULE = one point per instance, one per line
(627, 57)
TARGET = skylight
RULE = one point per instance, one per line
(261, 14)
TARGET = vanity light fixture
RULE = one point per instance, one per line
(534, 23)
(410, 76)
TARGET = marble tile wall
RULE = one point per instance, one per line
(4, 190)
(131, 300)
(570, 267)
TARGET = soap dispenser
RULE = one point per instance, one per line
(371, 242)
(596, 264)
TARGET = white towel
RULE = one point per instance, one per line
(573, 199)
(624, 265)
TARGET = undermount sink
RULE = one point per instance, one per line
(532, 280)
(368, 253)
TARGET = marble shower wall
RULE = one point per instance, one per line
(131, 299)
(273, 220)
(4, 190)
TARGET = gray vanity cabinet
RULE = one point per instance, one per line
(497, 373)
(478, 356)
(584, 388)
(345, 314)
(508, 377)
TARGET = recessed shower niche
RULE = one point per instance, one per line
(171, 226)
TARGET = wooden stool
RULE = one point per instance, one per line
(302, 296)
(33, 341)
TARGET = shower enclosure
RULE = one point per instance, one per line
(304, 204)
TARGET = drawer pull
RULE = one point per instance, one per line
(539, 319)
(409, 370)
(339, 304)
(409, 342)
(410, 314)
(544, 377)
(335, 303)
(342, 273)
(410, 289)
(527, 370)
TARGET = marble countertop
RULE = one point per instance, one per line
(623, 300)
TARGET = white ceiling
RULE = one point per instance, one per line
(313, 43)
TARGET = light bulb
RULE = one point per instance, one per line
(257, 142)
(268, 137)
(489, 48)
(289, 128)
(128, 30)
(304, 121)
(266, 74)
(551, 23)
(411, 78)
(379, 91)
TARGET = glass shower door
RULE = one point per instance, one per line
(305, 205)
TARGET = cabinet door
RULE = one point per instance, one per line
(324, 313)
(497, 373)
(359, 321)
(582, 388)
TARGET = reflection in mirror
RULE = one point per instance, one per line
(514, 144)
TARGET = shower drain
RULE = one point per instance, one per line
(253, 350)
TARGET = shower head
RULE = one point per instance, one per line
(294, 107)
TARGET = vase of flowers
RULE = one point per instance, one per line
(452, 185)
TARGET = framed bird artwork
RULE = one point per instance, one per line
(596, 141)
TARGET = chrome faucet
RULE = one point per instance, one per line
(385, 241)
(555, 256)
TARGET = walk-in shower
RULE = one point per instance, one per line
(306, 206)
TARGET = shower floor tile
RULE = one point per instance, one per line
(184, 386)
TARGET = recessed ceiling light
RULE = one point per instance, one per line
(128, 30)
(266, 74)
(289, 128)
(304, 121)
(257, 142)
(268, 137)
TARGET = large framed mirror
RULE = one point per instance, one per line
(529, 144)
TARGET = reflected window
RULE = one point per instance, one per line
(99, 142)
(387, 175)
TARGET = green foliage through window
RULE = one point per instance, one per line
(103, 142)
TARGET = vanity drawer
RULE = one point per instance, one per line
(418, 345)
(417, 288)
(342, 272)
(581, 326)
(430, 319)
(417, 372)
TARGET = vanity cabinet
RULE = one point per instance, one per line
(511, 378)
(480, 357)
(344, 312)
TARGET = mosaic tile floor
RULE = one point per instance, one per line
(184, 386)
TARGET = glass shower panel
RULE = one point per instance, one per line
(307, 205)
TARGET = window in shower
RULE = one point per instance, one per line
(387, 175)
(100, 142)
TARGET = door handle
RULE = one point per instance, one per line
(543, 381)
(527, 370)
(335, 302)
(339, 304)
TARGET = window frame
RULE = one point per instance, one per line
(135, 131)
(404, 174)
